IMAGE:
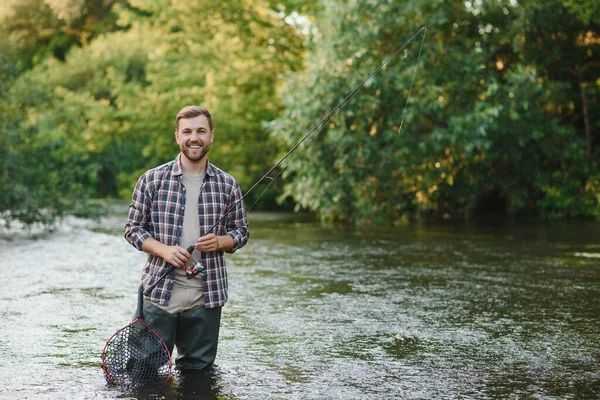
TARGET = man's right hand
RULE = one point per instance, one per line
(174, 255)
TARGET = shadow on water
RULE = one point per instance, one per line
(490, 309)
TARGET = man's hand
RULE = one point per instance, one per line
(211, 242)
(176, 256)
(207, 243)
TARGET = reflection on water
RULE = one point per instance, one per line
(197, 385)
(488, 310)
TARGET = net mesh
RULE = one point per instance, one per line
(136, 355)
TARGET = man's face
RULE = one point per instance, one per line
(194, 137)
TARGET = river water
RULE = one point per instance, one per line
(494, 310)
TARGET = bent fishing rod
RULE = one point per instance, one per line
(198, 268)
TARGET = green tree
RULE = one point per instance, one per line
(37, 168)
(49, 28)
(107, 107)
(488, 127)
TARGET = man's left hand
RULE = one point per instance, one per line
(208, 243)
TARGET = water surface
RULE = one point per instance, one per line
(456, 311)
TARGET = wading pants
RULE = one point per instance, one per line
(195, 333)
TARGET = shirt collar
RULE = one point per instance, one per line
(178, 169)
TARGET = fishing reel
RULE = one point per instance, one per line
(197, 268)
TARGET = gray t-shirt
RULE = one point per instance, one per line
(191, 225)
(188, 293)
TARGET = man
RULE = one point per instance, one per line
(174, 206)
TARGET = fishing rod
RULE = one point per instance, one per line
(198, 268)
(335, 110)
(323, 122)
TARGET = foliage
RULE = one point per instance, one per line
(108, 106)
(49, 28)
(36, 166)
(491, 126)
(503, 114)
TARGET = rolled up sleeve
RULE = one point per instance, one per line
(137, 226)
(237, 222)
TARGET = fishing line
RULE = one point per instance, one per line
(413, 80)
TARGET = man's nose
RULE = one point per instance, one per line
(196, 136)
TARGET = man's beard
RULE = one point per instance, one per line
(195, 155)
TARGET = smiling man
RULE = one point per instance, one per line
(174, 206)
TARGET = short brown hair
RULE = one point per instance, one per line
(191, 112)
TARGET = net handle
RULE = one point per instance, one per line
(140, 304)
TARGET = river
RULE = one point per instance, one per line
(488, 310)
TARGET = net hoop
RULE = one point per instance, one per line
(122, 377)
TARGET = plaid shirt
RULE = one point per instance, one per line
(157, 210)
